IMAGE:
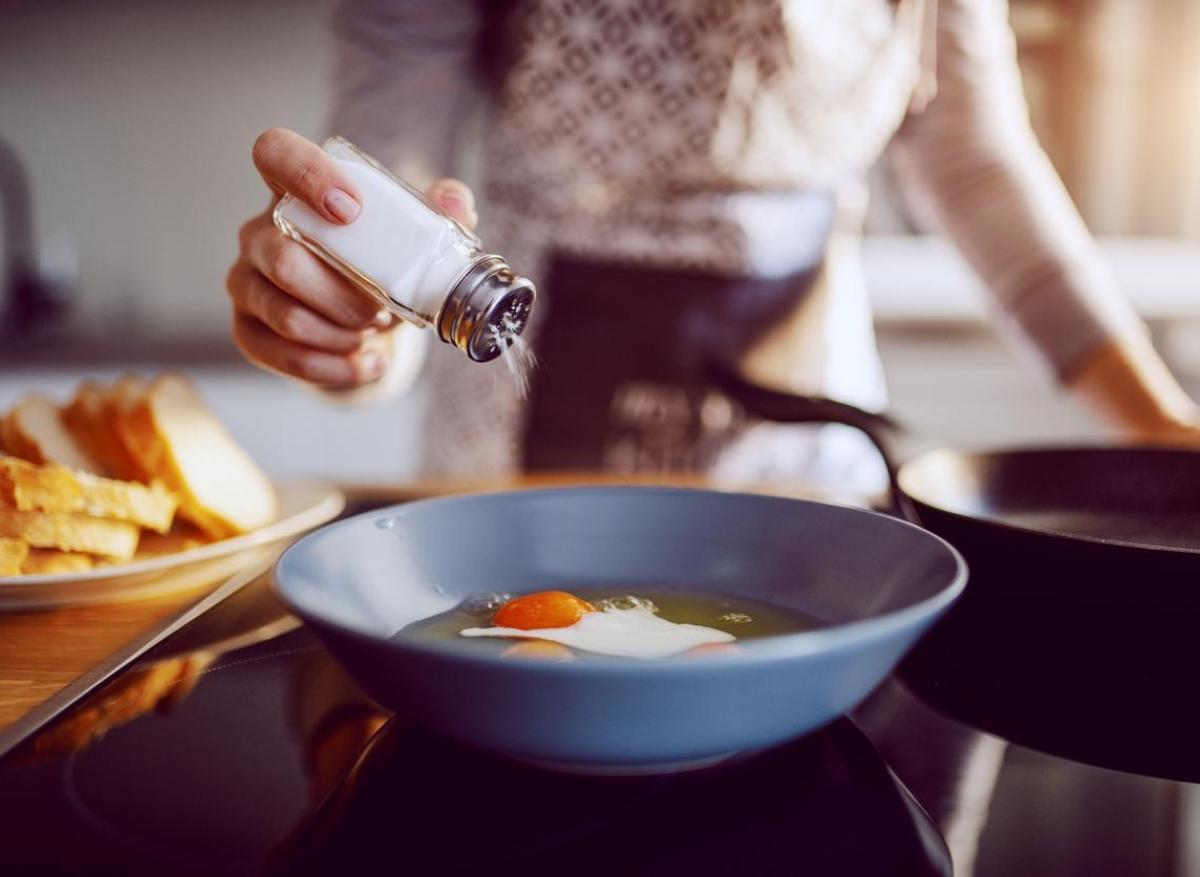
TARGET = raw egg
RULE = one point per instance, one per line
(559, 617)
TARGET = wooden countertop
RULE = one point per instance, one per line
(41, 651)
(44, 651)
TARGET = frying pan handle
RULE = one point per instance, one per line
(781, 407)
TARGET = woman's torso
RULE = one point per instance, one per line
(676, 134)
(725, 138)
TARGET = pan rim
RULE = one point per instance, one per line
(767, 650)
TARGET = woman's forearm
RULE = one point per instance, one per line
(1127, 384)
(972, 157)
(973, 154)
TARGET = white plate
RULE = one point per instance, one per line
(302, 506)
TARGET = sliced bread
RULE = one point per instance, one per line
(54, 488)
(87, 417)
(13, 554)
(43, 561)
(183, 537)
(119, 401)
(175, 437)
(34, 430)
(70, 532)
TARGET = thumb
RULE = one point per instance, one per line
(455, 199)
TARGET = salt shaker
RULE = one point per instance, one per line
(414, 260)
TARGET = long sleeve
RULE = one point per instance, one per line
(402, 90)
(973, 154)
(404, 80)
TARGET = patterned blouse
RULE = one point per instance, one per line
(692, 134)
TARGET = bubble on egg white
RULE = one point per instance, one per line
(628, 603)
(481, 604)
(736, 618)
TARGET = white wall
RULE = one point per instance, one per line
(136, 119)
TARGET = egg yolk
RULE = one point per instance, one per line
(543, 609)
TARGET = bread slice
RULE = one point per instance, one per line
(119, 401)
(34, 430)
(126, 391)
(87, 417)
(10, 437)
(183, 536)
(48, 561)
(70, 532)
(13, 553)
(176, 438)
(54, 488)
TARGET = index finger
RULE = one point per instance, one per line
(293, 164)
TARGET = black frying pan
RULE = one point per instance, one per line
(1077, 631)
(1111, 502)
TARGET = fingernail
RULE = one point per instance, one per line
(341, 205)
(453, 201)
(382, 320)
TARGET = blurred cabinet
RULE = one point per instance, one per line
(1114, 94)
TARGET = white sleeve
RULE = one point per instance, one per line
(974, 156)
(407, 348)
(404, 80)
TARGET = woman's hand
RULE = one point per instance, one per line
(292, 313)
(1186, 435)
(1128, 385)
(1177, 432)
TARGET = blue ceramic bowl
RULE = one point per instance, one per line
(877, 581)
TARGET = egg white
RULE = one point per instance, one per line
(621, 633)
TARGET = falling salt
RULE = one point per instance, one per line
(518, 356)
(736, 618)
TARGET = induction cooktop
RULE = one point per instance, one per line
(238, 746)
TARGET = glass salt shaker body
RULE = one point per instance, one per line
(414, 260)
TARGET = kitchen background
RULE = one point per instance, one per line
(134, 119)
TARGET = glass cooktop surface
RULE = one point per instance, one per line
(238, 746)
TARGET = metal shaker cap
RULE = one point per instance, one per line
(489, 305)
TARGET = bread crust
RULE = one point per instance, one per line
(176, 438)
(70, 532)
(13, 554)
(34, 430)
(51, 561)
(90, 418)
(54, 488)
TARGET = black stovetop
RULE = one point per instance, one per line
(267, 759)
